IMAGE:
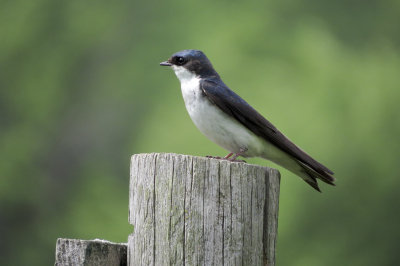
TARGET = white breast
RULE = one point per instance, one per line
(211, 121)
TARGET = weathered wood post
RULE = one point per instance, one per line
(90, 252)
(190, 210)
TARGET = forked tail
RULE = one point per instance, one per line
(310, 176)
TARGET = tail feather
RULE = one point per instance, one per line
(312, 182)
(324, 176)
(307, 172)
(314, 175)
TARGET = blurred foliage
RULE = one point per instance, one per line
(81, 90)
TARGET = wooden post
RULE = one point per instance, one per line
(190, 210)
(89, 252)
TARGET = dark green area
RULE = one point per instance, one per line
(81, 90)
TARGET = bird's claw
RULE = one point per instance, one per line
(225, 158)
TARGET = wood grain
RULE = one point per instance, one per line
(90, 252)
(189, 210)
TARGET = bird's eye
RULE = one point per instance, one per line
(180, 60)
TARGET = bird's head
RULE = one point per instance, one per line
(189, 63)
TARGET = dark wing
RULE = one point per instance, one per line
(231, 103)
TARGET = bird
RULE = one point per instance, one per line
(230, 122)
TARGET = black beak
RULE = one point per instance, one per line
(165, 63)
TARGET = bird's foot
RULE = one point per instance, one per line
(228, 157)
(220, 158)
(233, 159)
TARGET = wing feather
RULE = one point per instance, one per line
(232, 104)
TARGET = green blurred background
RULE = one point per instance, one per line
(81, 90)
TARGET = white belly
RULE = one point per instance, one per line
(216, 125)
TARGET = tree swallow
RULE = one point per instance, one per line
(229, 121)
